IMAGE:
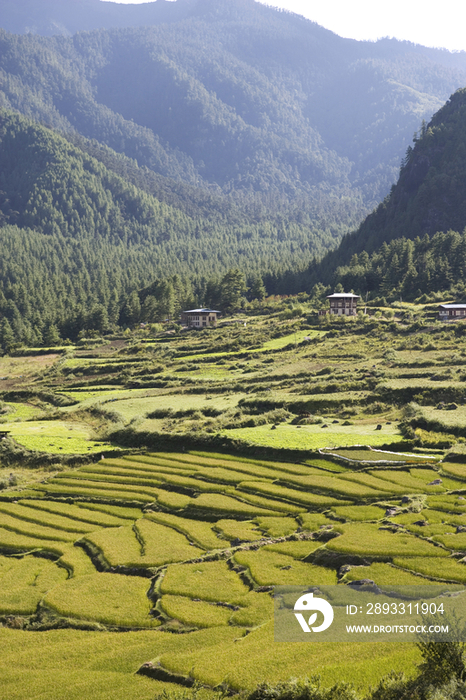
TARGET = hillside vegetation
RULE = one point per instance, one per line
(159, 481)
(413, 243)
(79, 235)
(233, 94)
(226, 136)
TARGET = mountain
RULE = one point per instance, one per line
(66, 17)
(228, 94)
(220, 134)
(430, 194)
(82, 227)
(414, 242)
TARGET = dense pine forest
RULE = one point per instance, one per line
(227, 145)
(78, 239)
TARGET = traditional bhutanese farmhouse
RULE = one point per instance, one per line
(200, 318)
(451, 312)
(343, 304)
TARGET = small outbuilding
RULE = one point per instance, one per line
(343, 304)
(200, 318)
(451, 312)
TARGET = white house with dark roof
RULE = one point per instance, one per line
(343, 304)
(451, 312)
(200, 318)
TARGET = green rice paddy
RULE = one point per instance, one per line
(54, 436)
(198, 614)
(276, 344)
(432, 567)
(103, 598)
(371, 542)
(212, 581)
(268, 568)
(24, 583)
(312, 437)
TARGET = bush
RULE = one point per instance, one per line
(303, 690)
(377, 407)
(428, 438)
(279, 415)
(394, 686)
(443, 661)
(307, 420)
(411, 410)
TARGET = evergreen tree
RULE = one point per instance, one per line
(258, 290)
(50, 335)
(232, 290)
(7, 337)
(131, 312)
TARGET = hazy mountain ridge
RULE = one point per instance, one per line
(233, 94)
(52, 17)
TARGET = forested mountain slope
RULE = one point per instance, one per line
(49, 17)
(430, 194)
(222, 134)
(232, 94)
(81, 228)
(421, 224)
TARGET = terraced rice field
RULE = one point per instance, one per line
(193, 542)
(311, 437)
(275, 344)
(55, 437)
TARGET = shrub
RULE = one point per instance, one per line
(411, 410)
(303, 690)
(427, 438)
(377, 407)
(443, 662)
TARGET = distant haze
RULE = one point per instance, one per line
(410, 20)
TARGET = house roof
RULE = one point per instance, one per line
(201, 311)
(343, 295)
(452, 306)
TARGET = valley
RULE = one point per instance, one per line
(160, 483)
